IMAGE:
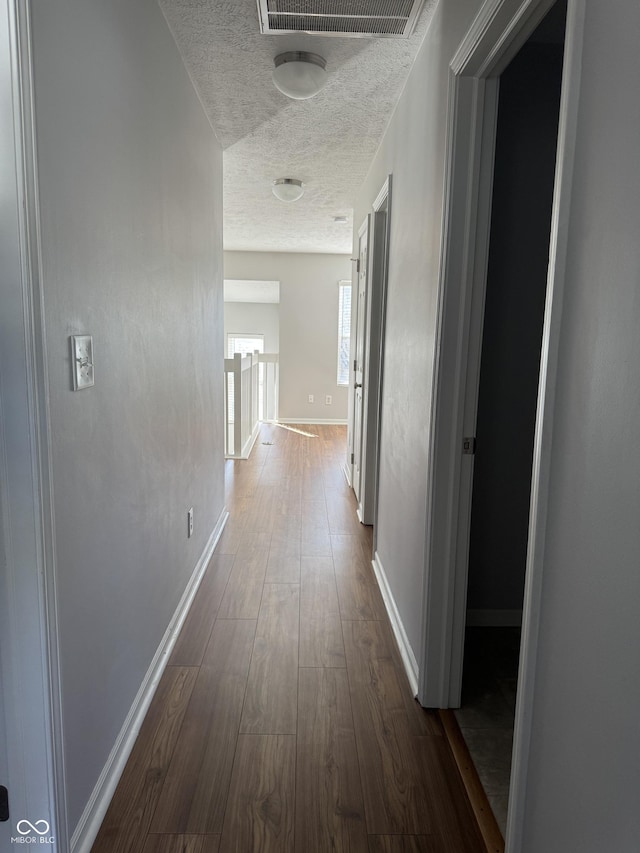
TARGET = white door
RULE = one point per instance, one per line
(27, 660)
(359, 356)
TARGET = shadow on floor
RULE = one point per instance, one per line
(487, 714)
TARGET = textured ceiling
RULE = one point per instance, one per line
(327, 141)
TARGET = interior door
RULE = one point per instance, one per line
(359, 356)
(502, 394)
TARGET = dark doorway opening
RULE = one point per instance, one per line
(524, 172)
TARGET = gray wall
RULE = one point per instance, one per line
(413, 152)
(253, 317)
(308, 326)
(512, 334)
(130, 182)
(583, 775)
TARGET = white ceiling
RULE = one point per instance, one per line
(327, 141)
(240, 290)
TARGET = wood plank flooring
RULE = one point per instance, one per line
(284, 720)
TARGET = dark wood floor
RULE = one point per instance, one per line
(284, 720)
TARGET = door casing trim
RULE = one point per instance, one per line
(499, 30)
(31, 577)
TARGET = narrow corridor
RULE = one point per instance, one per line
(284, 720)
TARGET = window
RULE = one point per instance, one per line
(344, 331)
(244, 343)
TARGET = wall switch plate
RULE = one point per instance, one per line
(310, 398)
(328, 400)
(82, 361)
(190, 523)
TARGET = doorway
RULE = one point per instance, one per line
(501, 28)
(512, 327)
(506, 330)
(359, 347)
(373, 251)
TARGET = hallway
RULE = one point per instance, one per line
(284, 720)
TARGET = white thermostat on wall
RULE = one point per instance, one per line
(82, 361)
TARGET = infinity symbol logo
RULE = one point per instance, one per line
(30, 827)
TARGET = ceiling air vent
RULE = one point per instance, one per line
(346, 18)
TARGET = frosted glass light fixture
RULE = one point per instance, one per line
(288, 189)
(299, 74)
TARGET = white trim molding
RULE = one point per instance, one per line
(248, 445)
(498, 32)
(29, 667)
(317, 421)
(89, 824)
(404, 647)
(385, 191)
(569, 104)
(375, 323)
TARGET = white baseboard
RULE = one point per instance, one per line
(346, 470)
(494, 618)
(362, 518)
(89, 824)
(248, 447)
(318, 421)
(406, 652)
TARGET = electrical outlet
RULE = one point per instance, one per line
(328, 400)
(190, 523)
(82, 361)
(310, 398)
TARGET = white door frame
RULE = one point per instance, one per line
(357, 416)
(374, 351)
(499, 30)
(347, 468)
(29, 670)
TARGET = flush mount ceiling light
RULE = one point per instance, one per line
(299, 75)
(340, 220)
(288, 189)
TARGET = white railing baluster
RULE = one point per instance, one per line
(270, 386)
(243, 389)
(237, 403)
